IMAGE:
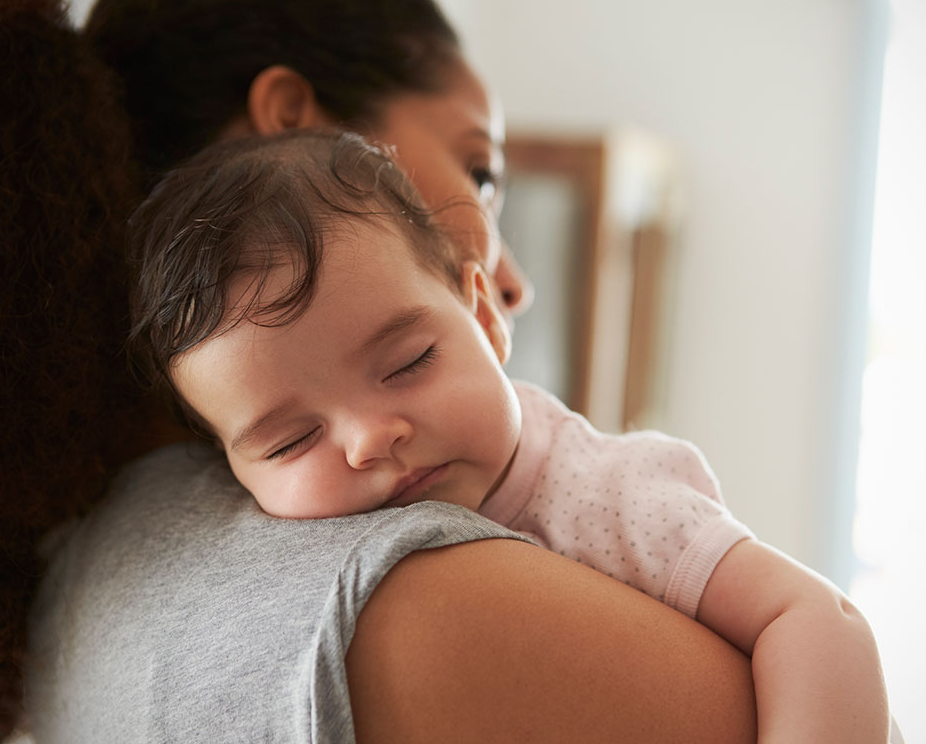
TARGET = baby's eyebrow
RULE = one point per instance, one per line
(395, 325)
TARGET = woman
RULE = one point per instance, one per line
(212, 621)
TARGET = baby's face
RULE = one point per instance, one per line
(386, 391)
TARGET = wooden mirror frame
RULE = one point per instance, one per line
(626, 188)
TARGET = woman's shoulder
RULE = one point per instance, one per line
(177, 597)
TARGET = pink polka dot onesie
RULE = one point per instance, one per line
(643, 508)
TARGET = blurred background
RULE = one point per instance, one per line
(792, 321)
(757, 205)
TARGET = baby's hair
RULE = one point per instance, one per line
(242, 208)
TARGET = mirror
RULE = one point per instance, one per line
(593, 221)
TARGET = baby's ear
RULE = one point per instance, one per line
(480, 298)
(280, 99)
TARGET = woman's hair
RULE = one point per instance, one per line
(65, 392)
(238, 210)
(187, 65)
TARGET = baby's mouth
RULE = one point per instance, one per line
(409, 487)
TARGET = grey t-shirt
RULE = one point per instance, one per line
(178, 611)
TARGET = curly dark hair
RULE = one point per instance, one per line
(245, 206)
(77, 137)
(186, 65)
(67, 399)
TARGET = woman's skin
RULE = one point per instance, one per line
(500, 641)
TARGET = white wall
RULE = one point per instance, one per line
(762, 100)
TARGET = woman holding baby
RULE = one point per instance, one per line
(177, 610)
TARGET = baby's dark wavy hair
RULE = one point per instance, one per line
(67, 399)
(242, 208)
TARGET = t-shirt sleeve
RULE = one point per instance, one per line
(178, 611)
(417, 527)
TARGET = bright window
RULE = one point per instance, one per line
(890, 523)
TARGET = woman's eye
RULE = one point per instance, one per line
(488, 183)
(301, 443)
(425, 360)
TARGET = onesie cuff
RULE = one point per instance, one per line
(699, 561)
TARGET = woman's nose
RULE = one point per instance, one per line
(515, 288)
(375, 437)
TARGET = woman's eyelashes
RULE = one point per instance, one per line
(302, 442)
(425, 360)
(488, 182)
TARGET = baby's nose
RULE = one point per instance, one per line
(375, 438)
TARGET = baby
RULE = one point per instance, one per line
(311, 317)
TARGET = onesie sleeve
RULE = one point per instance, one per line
(643, 508)
(684, 529)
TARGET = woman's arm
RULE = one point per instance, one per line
(500, 641)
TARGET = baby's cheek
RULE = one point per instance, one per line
(278, 490)
(265, 491)
(493, 422)
(306, 492)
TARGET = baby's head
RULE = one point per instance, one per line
(310, 316)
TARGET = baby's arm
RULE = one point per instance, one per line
(814, 660)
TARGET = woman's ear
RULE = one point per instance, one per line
(281, 98)
(480, 299)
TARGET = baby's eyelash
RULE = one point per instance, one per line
(292, 446)
(425, 360)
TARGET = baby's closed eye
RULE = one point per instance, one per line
(426, 359)
(302, 442)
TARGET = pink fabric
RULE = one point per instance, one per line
(643, 508)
